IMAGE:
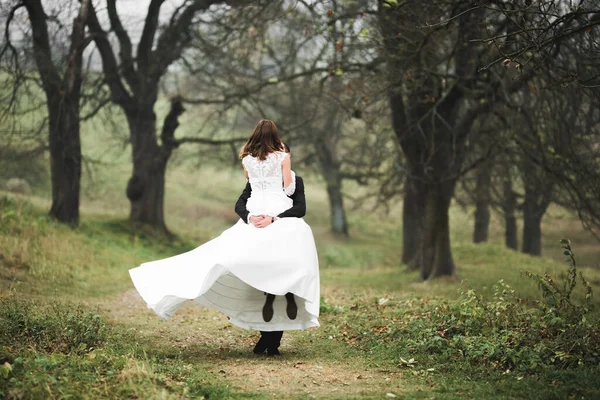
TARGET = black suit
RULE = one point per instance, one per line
(298, 210)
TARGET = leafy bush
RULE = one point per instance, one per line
(502, 331)
(560, 297)
(509, 333)
(56, 328)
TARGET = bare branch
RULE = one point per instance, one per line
(120, 95)
(41, 44)
(175, 37)
(125, 49)
(8, 44)
(147, 39)
(73, 76)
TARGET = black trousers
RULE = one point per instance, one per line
(272, 339)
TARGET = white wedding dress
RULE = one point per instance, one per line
(232, 272)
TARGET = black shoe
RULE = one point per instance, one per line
(273, 352)
(292, 308)
(260, 347)
(267, 310)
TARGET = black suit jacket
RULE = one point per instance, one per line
(298, 209)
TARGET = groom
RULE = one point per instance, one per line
(270, 341)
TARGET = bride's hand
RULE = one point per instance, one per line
(264, 222)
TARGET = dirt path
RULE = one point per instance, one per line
(205, 339)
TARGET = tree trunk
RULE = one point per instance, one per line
(482, 203)
(510, 233)
(326, 149)
(535, 206)
(413, 213)
(339, 224)
(538, 194)
(65, 157)
(434, 257)
(62, 99)
(482, 222)
(532, 233)
(509, 206)
(146, 187)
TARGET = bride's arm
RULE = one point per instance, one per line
(245, 172)
(288, 182)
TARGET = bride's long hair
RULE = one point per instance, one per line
(263, 141)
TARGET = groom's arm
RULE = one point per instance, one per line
(240, 205)
(298, 209)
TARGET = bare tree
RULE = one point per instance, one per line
(134, 83)
(306, 69)
(427, 119)
(62, 88)
(561, 135)
(564, 149)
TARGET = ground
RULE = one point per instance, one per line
(206, 340)
(362, 349)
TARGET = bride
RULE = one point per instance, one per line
(233, 272)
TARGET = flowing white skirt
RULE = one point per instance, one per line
(232, 273)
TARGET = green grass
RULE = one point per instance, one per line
(56, 280)
(54, 338)
(61, 350)
(139, 356)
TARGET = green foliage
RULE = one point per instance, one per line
(560, 296)
(374, 314)
(106, 373)
(66, 351)
(57, 328)
(502, 332)
(8, 213)
(506, 332)
(17, 215)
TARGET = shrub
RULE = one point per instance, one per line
(560, 296)
(508, 332)
(54, 328)
(502, 331)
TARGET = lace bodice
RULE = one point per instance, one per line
(266, 175)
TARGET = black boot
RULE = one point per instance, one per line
(273, 352)
(267, 310)
(292, 308)
(274, 343)
(262, 343)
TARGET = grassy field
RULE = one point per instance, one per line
(72, 326)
